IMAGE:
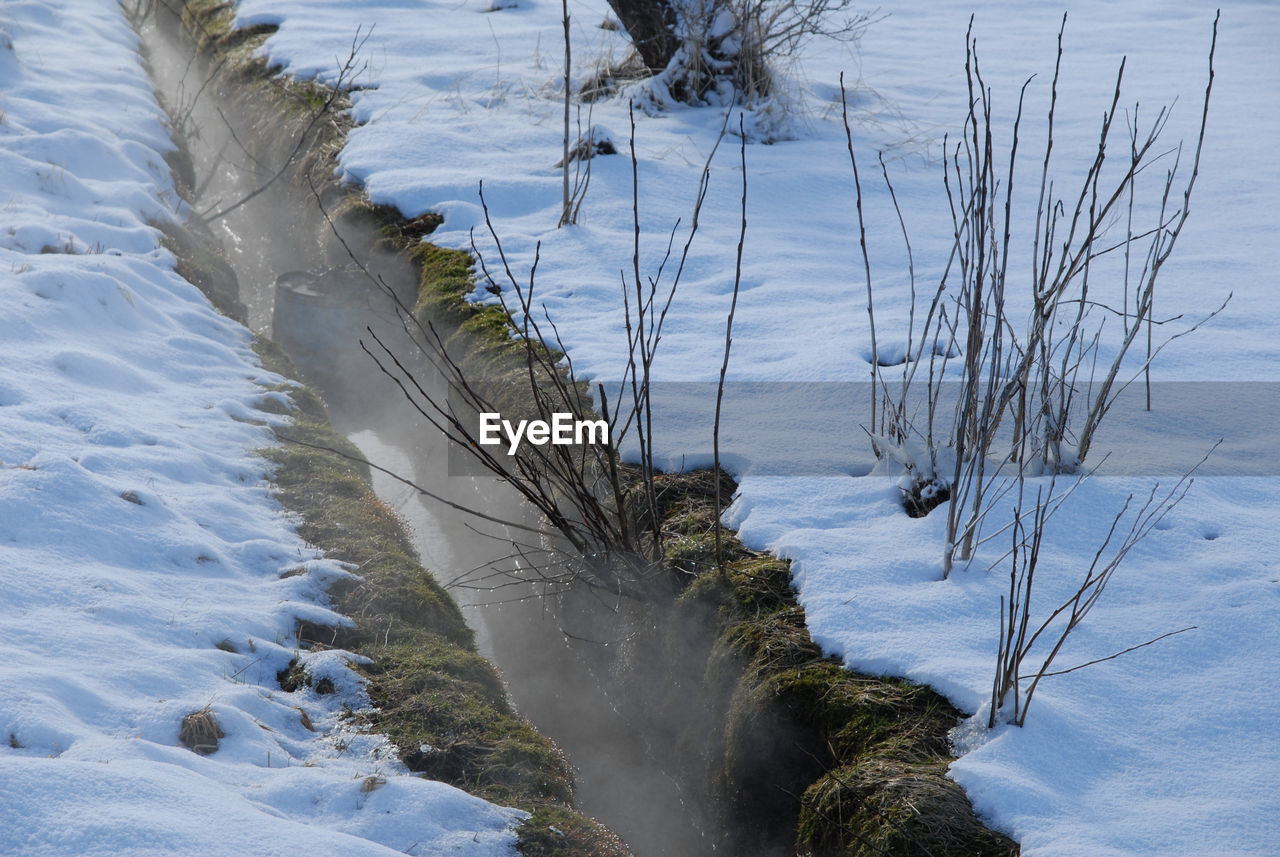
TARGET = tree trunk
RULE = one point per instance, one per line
(651, 26)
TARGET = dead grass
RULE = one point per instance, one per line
(305, 719)
(200, 732)
(893, 806)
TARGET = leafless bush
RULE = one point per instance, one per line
(1022, 380)
(1017, 382)
(572, 199)
(605, 521)
(1019, 632)
(576, 162)
(728, 345)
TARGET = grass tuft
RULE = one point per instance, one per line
(889, 805)
(200, 732)
(555, 832)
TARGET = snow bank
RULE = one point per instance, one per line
(141, 554)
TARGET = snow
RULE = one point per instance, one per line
(1168, 750)
(143, 560)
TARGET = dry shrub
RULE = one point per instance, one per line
(200, 732)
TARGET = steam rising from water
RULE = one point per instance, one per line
(576, 666)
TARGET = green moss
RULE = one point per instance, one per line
(447, 278)
(449, 715)
(795, 721)
(483, 332)
(486, 343)
(488, 323)
(554, 832)
(890, 806)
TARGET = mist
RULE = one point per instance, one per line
(583, 663)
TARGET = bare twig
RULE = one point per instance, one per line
(728, 343)
(347, 72)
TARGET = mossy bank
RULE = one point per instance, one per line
(439, 701)
(434, 696)
(846, 764)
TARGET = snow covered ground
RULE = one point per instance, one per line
(122, 386)
(1170, 750)
(142, 560)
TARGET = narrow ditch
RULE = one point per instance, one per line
(559, 662)
(700, 721)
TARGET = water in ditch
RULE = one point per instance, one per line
(555, 656)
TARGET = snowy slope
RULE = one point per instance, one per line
(142, 559)
(1171, 750)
